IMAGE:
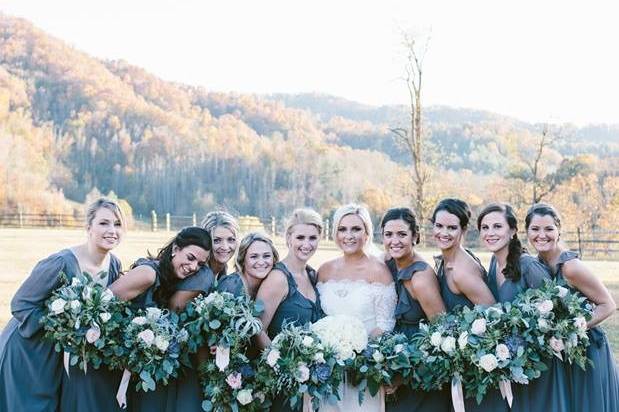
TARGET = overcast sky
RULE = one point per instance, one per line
(534, 60)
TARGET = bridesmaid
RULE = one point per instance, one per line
(462, 277)
(152, 282)
(511, 272)
(419, 299)
(254, 261)
(31, 371)
(289, 292)
(597, 388)
(224, 231)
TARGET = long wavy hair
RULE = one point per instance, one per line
(515, 249)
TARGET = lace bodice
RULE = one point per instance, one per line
(371, 302)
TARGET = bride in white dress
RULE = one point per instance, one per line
(360, 285)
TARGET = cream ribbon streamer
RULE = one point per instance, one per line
(307, 403)
(222, 357)
(506, 392)
(121, 395)
(66, 358)
(457, 395)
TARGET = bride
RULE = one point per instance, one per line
(360, 285)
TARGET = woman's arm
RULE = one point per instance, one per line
(179, 300)
(424, 287)
(579, 276)
(472, 285)
(272, 292)
(134, 282)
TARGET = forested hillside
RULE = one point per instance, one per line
(71, 124)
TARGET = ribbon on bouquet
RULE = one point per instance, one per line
(66, 358)
(307, 403)
(121, 395)
(222, 357)
(506, 391)
(457, 395)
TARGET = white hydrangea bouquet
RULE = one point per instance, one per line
(223, 322)
(151, 350)
(559, 315)
(84, 320)
(346, 334)
(300, 368)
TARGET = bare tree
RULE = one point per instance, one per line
(412, 137)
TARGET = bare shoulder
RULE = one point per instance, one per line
(327, 269)
(573, 269)
(466, 270)
(274, 279)
(143, 274)
(380, 271)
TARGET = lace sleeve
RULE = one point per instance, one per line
(385, 299)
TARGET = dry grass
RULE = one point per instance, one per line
(21, 249)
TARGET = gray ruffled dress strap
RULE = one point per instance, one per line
(202, 281)
(451, 299)
(408, 311)
(232, 283)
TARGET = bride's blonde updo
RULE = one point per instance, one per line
(304, 216)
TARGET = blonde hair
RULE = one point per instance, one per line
(220, 218)
(304, 216)
(364, 215)
(246, 242)
(102, 202)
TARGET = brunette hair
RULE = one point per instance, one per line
(456, 207)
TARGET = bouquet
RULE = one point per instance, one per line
(84, 319)
(234, 389)
(346, 334)
(300, 367)
(560, 317)
(151, 348)
(384, 358)
(222, 321)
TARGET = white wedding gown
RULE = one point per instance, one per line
(373, 304)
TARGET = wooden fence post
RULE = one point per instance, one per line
(21, 219)
(326, 229)
(167, 222)
(194, 219)
(579, 242)
(153, 220)
(273, 226)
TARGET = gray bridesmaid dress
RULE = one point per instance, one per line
(295, 309)
(32, 377)
(408, 314)
(492, 402)
(547, 393)
(595, 389)
(231, 283)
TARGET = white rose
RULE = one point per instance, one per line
(93, 334)
(398, 348)
(161, 343)
(449, 344)
(545, 306)
(58, 306)
(581, 323)
(244, 396)
(147, 336)
(308, 341)
(378, 357)
(86, 293)
(478, 327)
(302, 373)
(502, 352)
(153, 313)
(210, 297)
(557, 345)
(543, 324)
(562, 292)
(75, 282)
(273, 357)
(75, 305)
(139, 320)
(463, 339)
(436, 339)
(319, 357)
(107, 296)
(488, 362)
(105, 316)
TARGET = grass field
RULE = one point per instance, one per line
(21, 249)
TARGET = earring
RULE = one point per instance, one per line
(173, 254)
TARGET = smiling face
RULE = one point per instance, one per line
(188, 260)
(224, 244)
(398, 239)
(106, 230)
(543, 233)
(495, 231)
(351, 234)
(446, 230)
(258, 260)
(302, 241)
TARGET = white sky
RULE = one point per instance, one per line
(536, 60)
